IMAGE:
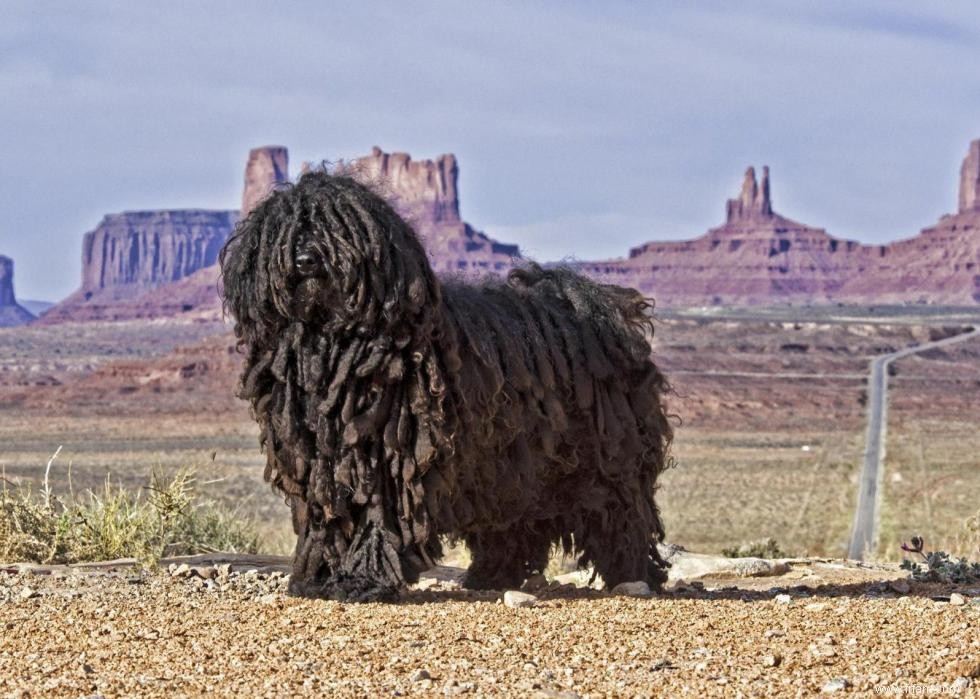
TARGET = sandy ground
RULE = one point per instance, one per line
(239, 635)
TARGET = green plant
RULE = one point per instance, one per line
(170, 519)
(764, 548)
(939, 566)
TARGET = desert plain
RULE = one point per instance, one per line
(769, 427)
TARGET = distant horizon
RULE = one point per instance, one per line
(580, 133)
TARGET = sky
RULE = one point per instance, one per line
(581, 129)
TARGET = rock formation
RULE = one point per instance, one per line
(970, 179)
(6, 282)
(753, 203)
(11, 313)
(758, 257)
(755, 257)
(425, 192)
(132, 253)
(147, 264)
(161, 263)
(419, 188)
(144, 249)
(267, 166)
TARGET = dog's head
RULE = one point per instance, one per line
(328, 252)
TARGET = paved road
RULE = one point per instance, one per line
(864, 531)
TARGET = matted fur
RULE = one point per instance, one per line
(396, 408)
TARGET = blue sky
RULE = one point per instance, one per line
(581, 128)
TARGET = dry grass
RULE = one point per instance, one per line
(729, 489)
(932, 478)
(166, 517)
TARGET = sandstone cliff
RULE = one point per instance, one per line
(132, 253)
(754, 202)
(266, 167)
(11, 313)
(150, 264)
(426, 193)
(161, 263)
(970, 179)
(758, 257)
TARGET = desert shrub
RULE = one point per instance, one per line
(939, 566)
(764, 548)
(167, 517)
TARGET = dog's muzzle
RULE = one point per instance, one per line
(311, 299)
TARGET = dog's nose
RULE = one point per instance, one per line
(305, 264)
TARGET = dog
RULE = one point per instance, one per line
(398, 410)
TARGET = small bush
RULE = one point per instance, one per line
(171, 519)
(765, 548)
(939, 566)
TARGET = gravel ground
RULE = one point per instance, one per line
(237, 633)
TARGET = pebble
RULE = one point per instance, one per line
(27, 593)
(454, 687)
(771, 660)
(420, 675)
(835, 685)
(638, 588)
(204, 572)
(957, 600)
(545, 693)
(822, 651)
(515, 598)
(783, 599)
(961, 683)
(180, 571)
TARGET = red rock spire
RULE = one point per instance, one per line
(753, 203)
(266, 167)
(970, 179)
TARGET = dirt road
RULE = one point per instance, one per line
(864, 532)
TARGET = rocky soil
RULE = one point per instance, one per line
(207, 626)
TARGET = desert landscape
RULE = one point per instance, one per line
(135, 372)
(137, 377)
(821, 496)
(776, 417)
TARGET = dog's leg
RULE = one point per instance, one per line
(366, 568)
(504, 560)
(621, 543)
(311, 566)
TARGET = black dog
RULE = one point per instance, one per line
(396, 409)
